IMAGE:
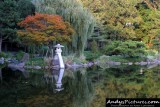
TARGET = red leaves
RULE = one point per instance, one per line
(44, 28)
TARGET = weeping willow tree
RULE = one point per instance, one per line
(72, 11)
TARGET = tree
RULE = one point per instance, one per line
(115, 18)
(44, 29)
(149, 27)
(25, 8)
(156, 42)
(11, 13)
(72, 11)
(152, 4)
(8, 19)
(137, 20)
(94, 46)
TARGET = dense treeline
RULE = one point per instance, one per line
(95, 25)
(121, 20)
(126, 19)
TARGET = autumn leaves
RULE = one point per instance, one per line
(44, 29)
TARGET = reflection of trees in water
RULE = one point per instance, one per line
(127, 82)
(11, 87)
(36, 80)
(80, 89)
(0, 74)
(54, 79)
(77, 91)
(150, 88)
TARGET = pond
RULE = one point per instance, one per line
(83, 87)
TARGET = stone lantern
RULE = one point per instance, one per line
(58, 57)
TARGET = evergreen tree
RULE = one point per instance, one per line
(11, 12)
(9, 18)
(25, 8)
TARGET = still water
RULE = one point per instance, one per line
(77, 87)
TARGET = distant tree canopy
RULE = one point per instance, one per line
(116, 18)
(126, 19)
(148, 29)
(153, 4)
(44, 29)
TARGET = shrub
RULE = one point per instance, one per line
(90, 56)
(126, 49)
(73, 59)
(2, 54)
(19, 55)
(151, 52)
(94, 46)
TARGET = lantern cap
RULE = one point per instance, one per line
(59, 46)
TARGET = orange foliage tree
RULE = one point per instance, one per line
(44, 29)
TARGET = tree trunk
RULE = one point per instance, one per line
(6, 47)
(1, 44)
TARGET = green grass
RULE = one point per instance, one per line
(36, 62)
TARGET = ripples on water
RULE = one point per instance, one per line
(77, 88)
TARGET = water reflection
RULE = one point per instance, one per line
(78, 88)
(59, 80)
(1, 74)
(152, 66)
(141, 71)
(127, 82)
(21, 69)
(55, 75)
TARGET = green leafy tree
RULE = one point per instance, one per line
(156, 42)
(152, 4)
(149, 27)
(116, 18)
(137, 20)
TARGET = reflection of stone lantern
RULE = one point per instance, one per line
(59, 80)
(58, 57)
(55, 77)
